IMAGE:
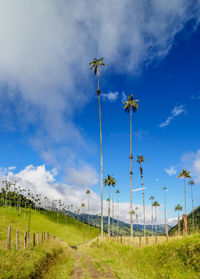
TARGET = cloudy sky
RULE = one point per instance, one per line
(49, 129)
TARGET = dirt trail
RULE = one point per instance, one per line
(85, 268)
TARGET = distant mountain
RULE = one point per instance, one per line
(124, 228)
(196, 214)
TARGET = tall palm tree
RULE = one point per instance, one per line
(132, 212)
(166, 227)
(88, 197)
(131, 105)
(118, 192)
(109, 181)
(83, 207)
(136, 215)
(152, 199)
(95, 64)
(191, 183)
(156, 204)
(185, 174)
(140, 160)
(113, 210)
(178, 208)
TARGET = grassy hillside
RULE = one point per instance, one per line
(191, 229)
(177, 259)
(124, 228)
(57, 224)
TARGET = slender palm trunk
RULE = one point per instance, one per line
(143, 201)
(179, 227)
(113, 213)
(192, 208)
(98, 93)
(156, 218)
(166, 227)
(185, 208)
(118, 219)
(131, 157)
(152, 218)
(109, 213)
(88, 217)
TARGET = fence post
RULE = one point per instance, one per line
(134, 241)
(156, 240)
(33, 239)
(9, 238)
(17, 239)
(37, 239)
(25, 240)
(121, 239)
(140, 241)
(29, 240)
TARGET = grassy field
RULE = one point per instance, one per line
(177, 259)
(68, 229)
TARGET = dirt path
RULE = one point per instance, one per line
(88, 267)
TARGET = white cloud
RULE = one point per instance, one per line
(124, 97)
(84, 176)
(171, 171)
(138, 189)
(111, 96)
(191, 161)
(177, 110)
(172, 221)
(46, 46)
(140, 133)
(156, 179)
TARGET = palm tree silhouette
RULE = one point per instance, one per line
(178, 208)
(156, 204)
(185, 174)
(140, 160)
(109, 181)
(96, 63)
(130, 105)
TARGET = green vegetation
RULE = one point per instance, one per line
(58, 224)
(180, 258)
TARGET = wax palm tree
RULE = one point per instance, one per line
(132, 212)
(166, 227)
(140, 160)
(118, 192)
(178, 208)
(109, 181)
(152, 199)
(156, 204)
(136, 215)
(88, 198)
(131, 105)
(191, 183)
(113, 209)
(185, 174)
(95, 64)
(83, 212)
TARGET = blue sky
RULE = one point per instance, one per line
(49, 108)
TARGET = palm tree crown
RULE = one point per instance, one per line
(140, 159)
(131, 104)
(88, 192)
(109, 181)
(96, 63)
(184, 174)
(191, 183)
(155, 204)
(178, 207)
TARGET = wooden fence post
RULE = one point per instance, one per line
(9, 238)
(134, 241)
(140, 241)
(29, 240)
(33, 239)
(25, 240)
(156, 239)
(121, 239)
(37, 239)
(17, 240)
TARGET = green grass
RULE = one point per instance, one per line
(45, 221)
(178, 259)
